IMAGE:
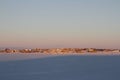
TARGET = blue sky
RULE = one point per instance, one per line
(60, 23)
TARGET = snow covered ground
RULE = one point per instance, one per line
(62, 68)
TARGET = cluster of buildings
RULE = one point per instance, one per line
(59, 50)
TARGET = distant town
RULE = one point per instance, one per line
(60, 50)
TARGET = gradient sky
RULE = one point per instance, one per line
(60, 23)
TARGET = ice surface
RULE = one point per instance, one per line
(62, 68)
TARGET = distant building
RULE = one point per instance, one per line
(116, 50)
(7, 50)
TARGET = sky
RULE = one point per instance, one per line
(60, 23)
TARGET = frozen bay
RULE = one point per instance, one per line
(62, 68)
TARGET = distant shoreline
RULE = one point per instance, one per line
(62, 51)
